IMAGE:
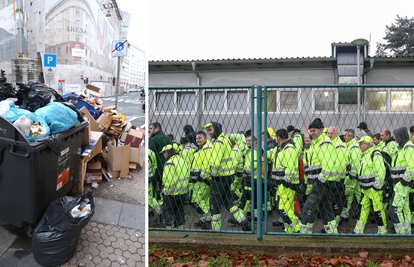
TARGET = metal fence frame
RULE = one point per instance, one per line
(262, 120)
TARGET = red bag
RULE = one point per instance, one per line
(301, 171)
(297, 206)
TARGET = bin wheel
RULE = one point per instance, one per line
(28, 229)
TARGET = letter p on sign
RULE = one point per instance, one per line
(49, 60)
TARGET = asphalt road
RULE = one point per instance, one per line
(128, 105)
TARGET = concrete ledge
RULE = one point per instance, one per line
(276, 245)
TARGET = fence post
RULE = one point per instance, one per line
(266, 188)
(252, 162)
(259, 163)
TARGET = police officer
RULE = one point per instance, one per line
(322, 173)
(371, 177)
(175, 187)
(200, 178)
(404, 170)
(352, 188)
(285, 176)
(222, 175)
(340, 164)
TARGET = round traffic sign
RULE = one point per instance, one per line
(81, 77)
(119, 46)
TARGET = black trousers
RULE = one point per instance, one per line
(173, 210)
(320, 199)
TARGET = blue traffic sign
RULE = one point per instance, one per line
(119, 46)
(50, 60)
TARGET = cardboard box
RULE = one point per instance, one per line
(133, 165)
(94, 147)
(114, 174)
(93, 177)
(105, 120)
(86, 135)
(118, 158)
(94, 167)
(93, 90)
(135, 156)
(134, 137)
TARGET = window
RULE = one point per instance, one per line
(86, 51)
(289, 101)
(91, 64)
(377, 100)
(271, 100)
(86, 63)
(77, 62)
(67, 39)
(58, 61)
(78, 12)
(186, 101)
(324, 100)
(76, 37)
(58, 51)
(67, 49)
(214, 101)
(67, 61)
(165, 101)
(401, 101)
(237, 100)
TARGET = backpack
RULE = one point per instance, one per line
(387, 163)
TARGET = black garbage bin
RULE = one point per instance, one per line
(32, 175)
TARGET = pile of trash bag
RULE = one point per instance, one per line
(58, 116)
(6, 89)
(34, 95)
(56, 237)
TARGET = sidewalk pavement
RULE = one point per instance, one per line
(114, 237)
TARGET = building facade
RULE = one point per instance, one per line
(298, 90)
(137, 67)
(79, 32)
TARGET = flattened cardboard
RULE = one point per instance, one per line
(92, 122)
(94, 147)
(134, 137)
(93, 88)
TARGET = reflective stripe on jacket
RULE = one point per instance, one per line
(175, 177)
(371, 173)
(221, 161)
(407, 156)
(152, 166)
(354, 155)
(200, 165)
(340, 158)
(285, 169)
(322, 163)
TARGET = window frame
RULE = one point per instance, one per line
(278, 98)
(335, 110)
(226, 104)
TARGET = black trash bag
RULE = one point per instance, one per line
(34, 95)
(56, 237)
(6, 89)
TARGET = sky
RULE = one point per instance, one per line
(222, 29)
(138, 27)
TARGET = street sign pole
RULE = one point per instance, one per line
(117, 81)
(120, 49)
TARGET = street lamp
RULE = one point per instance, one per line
(359, 42)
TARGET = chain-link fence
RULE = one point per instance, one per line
(315, 179)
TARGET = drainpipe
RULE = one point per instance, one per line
(365, 90)
(200, 97)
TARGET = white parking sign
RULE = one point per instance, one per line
(119, 48)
